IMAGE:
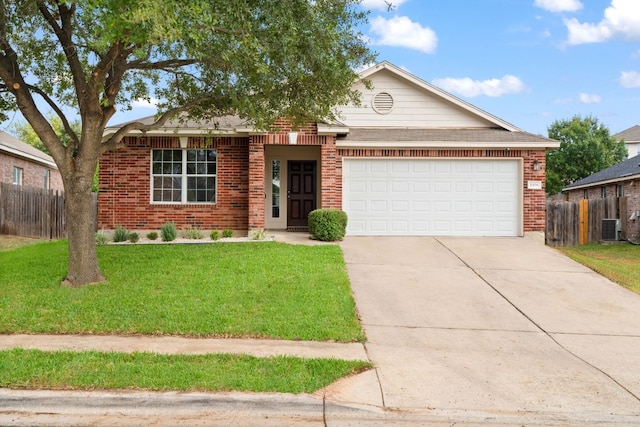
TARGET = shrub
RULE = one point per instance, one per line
(101, 238)
(152, 235)
(327, 225)
(133, 237)
(120, 234)
(168, 232)
(190, 232)
(227, 233)
(215, 234)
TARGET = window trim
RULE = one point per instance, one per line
(18, 176)
(184, 176)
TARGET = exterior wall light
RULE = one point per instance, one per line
(536, 165)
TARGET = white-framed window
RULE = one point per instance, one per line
(47, 178)
(620, 190)
(603, 192)
(183, 176)
(17, 175)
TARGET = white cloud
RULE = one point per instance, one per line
(559, 5)
(621, 19)
(401, 31)
(629, 79)
(585, 98)
(470, 88)
(144, 103)
(382, 5)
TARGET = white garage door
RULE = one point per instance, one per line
(432, 197)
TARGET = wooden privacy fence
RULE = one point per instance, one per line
(579, 223)
(31, 212)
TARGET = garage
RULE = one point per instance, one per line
(432, 197)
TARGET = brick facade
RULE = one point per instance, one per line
(534, 201)
(125, 175)
(124, 198)
(32, 173)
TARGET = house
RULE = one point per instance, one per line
(411, 160)
(631, 139)
(22, 164)
(620, 180)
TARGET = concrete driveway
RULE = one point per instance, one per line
(502, 329)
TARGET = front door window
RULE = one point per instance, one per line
(275, 189)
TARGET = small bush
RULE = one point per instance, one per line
(168, 232)
(227, 233)
(134, 237)
(328, 225)
(215, 234)
(190, 232)
(120, 234)
(152, 235)
(101, 238)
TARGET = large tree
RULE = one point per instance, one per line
(586, 147)
(259, 59)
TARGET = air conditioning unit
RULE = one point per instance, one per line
(611, 229)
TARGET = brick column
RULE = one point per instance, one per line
(331, 196)
(256, 183)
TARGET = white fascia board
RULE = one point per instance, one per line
(442, 144)
(324, 129)
(23, 155)
(177, 132)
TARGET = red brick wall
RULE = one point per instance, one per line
(534, 207)
(32, 173)
(124, 197)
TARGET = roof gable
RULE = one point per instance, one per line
(415, 103)
(628, 169)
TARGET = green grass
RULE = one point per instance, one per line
(214, 372)
(253, 289)
(619, 263)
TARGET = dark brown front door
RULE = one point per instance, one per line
(301, 192)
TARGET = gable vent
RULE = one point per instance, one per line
(382, 103)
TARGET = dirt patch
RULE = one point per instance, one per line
(14, 242)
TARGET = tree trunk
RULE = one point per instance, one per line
(83, 259)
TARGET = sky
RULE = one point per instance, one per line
(528, 62)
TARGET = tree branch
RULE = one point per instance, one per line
(64, 36)
(58, 111)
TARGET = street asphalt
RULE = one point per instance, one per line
(464, 331)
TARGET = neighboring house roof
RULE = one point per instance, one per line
(626, 170)
(17, 148)
(630, 135)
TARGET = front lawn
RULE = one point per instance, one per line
(253, 289)
(619, 263)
